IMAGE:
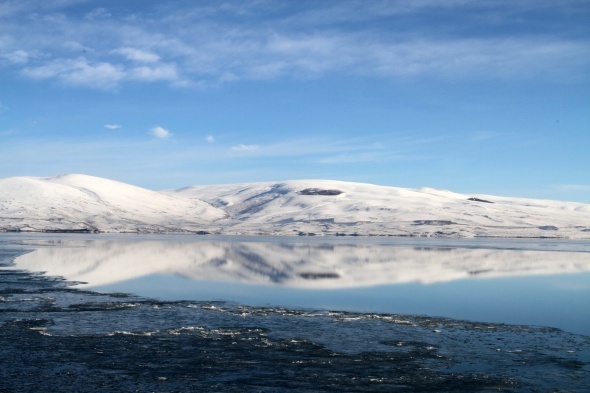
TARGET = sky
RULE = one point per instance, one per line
(472, 96)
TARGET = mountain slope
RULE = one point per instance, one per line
(86, 202)
(334, 207)
(302, 207)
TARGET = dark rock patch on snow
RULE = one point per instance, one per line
(82, 230)
(549, 228)
(433, 222)
(319, 191)
(479, 200)
(256, 203)
(319, 276)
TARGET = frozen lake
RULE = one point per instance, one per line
(179, 313)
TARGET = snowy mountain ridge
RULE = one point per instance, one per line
(297, 207)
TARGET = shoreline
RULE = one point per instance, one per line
(282, 234)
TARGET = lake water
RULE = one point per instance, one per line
(468, 314)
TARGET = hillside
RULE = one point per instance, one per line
(335, 207)
(302, 207)
(79, 202)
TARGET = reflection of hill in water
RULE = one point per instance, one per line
(312, 265)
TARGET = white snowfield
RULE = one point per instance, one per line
(299, 207)
(76, 202)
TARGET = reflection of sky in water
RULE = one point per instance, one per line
(532, 300)
(521, 282)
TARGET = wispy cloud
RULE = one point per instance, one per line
(332, 151)
(222, 43)
(97, 14)
(161, 72)
(138, 55)
(139, 156)
(572, 187)
(160, 132)
(479, 136)
(16, 57)
(364, 156)
(106, 76)
(210, 138)
(75, 46)
(245, 148)
(78, 72)
(113, 126)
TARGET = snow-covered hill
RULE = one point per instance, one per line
(302, 207)
(335, 207)
(79, 202)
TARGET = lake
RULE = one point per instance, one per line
(476, 314)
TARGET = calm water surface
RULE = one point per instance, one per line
(179, 313)
(535, 282)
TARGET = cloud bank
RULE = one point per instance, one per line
(193, 45)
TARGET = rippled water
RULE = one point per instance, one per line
(57, 337)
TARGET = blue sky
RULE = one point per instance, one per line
(486, 96)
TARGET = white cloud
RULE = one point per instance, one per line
(10, 8)
(75, 46)
(210, 138)
(163, 72)
(79, 72)
(245, 148)
(107, 76)
(190, 43)
(228, 77)
(97, 13)
(112, 126)
(573, 187)
(138, 55)
(17, 57)
(160, 132)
